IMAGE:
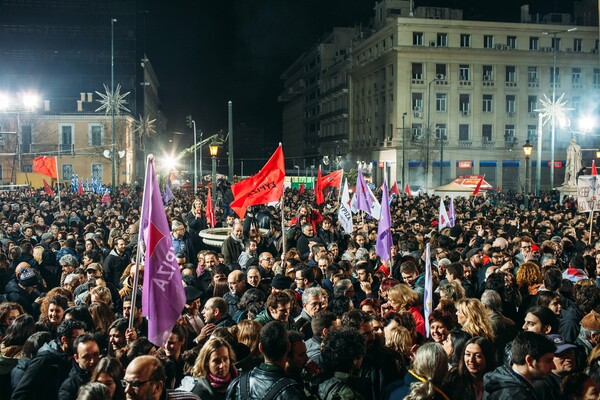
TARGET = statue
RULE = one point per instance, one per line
(573, 163)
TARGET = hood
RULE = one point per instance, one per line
(501, 378)
(13, 287)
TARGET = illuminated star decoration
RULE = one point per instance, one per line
(556, 108)
(113, 101)
(145, 127)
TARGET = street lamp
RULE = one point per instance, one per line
(553, 134)
(429, 132)
(191, 123)
(598, 153)
(403, 149)
(112, 90)
(298, 170)
(213, 149)
(527, 149)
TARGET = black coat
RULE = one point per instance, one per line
(505, 384)
(261, 379)
(203, 389)
(17, 294)
(77, 377)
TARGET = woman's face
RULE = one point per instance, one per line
(447, 345)
(12, 315)
(218, 362)
(326, 225)
(88, 245)
(439, 332)
(369, 309)
(396, 305)
(555, 305)
(55, 314)
(474, 359)
(107, 380)
(461, 317)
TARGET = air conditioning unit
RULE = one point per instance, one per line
(418, 114)
(440, 76)
(499, 46)
(417, 109)
(432, 43)
(463, 78)
(487, 77)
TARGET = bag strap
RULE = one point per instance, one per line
(278, 388)
(245, 386)
(333, 388)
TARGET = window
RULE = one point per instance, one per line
(531, 104)
(66, 137)
(511, 42)
(511, 104)
(486, 132)
(488, 41)
(511, 74)
(417, 71)
(67, 172)
(417, 131)
(465, 40)
(441, 100)
(1, 172)
(95, 135)
(464, 71)
(464, 103)
(532, 75)
(556, 43)
(531, 132)
(441, 71)
(97, 172)
(440, 132)
(488, 103)
(534, 43)
(442, 40)
(576, 103)
(555, 76)
(576, 77)
(417, 102)
(577, 45)
(596, 78)
(417, 38)
(488, 73)
(463, 133)
(509, 133)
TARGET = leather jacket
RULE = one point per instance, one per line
(261, 379)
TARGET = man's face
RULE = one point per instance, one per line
(267, 261)
(467, 272)
(363, 275)
(366, 331)
(409, 278)
(178, 232)
(525, 247)
(173, 346)
(541, 368)
(307, 230)
(252, 248)
(281, 313)
(300, 281)
(88, 355)
(237, 231)
(564, 362)
(236, 286)
(254, 277)
(229, 220)
(532, 324)
(360, 241)
(314, 305)
(210, 261)
(116, 339)
(120, 246)
(139, 374)
(323, 264)
(67, 269)
(208, 313)
(297, 358)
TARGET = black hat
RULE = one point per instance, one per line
(472, 252)
(28, 277)
(191, 294)
(281, 282)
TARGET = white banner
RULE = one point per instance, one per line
(588, 193)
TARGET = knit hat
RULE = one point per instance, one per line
(591, 321)
(28, 277)
(281, 282)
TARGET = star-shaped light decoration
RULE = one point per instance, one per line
(113, 101)
(556, 108)
(145, 127)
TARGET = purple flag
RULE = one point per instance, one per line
(452, 213)
(427, 299)
(363, 200)
(163, 296)
(384, 234)
(168, 196)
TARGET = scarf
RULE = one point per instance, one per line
(220, 385)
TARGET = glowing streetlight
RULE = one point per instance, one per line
(527, 149)
(213, 150)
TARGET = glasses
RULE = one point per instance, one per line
(135, 384)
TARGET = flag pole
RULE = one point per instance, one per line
(591, 225)
(282, 226)
(136, 275)
(58, 187)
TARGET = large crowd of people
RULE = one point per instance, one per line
(301, 310)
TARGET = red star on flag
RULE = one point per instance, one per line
(154, 237)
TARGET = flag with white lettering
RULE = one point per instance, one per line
(264, 187)
(344, 212)
(443, 219)
(163, 296)
(452, 213)
(427, 298)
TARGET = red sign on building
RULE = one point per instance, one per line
(557, 164)
(465, 164)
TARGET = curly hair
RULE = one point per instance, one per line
(477, 322)
(529, 274)
(340, 348)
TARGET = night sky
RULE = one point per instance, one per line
(208, 52)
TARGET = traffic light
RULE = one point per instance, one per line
(188, 121)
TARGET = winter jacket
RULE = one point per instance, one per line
(231, 249)
(264, 317)
(232, 303)
(339, 387)
(114, 265)
(505, 384)
(17, 294)
(77, 377)
(260, 380)
(570, 319)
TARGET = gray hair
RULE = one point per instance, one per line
(176, 225)
(492, 300)
(430, 362)
(341, 287)
(71, 278)
(68, 260)
(311, 292)
(445, 262)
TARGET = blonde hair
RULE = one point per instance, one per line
(103, 294)
(201, 369)
(477, 322)
(248, 333)
(38, 251)
(403, 294)
(399, 340)
(529, 274)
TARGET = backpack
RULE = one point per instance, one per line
(271, 394)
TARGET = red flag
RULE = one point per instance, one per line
(407, 190)
(80, 188)
(594, 172)
(301, 190)
(333, 179)
(47, 188)
(106, 197)
(395, 189)
(319, 189)
(210, 211)
(264, 187)
(45, 165)
(478, 187)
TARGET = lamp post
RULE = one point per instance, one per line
(298, 170)
(213, 148)
(553, 134)
(429, 133)
(191, 123)
(403, 149)
(527, 148)
(538, 165)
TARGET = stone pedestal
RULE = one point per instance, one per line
(567, 190)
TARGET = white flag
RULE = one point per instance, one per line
(344, 213)
(375, 205)
(443, 219)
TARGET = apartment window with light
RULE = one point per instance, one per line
(531, 132)
(486, 132)
(417, 71)
(417, 102)
(534, 43)
(488, 103)
(464, 103)
(577, 45)
(532, 74)
(488, 41)
(576, 76)
(511, 73)
(465, 40)
(440, 132)
(464, 71)
(442, 40)
(463, 133)
(417, 38)
(531, 103)
(511, 104)
(488, 73)
(511, 42)
(441, 100)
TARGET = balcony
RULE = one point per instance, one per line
(47, 148)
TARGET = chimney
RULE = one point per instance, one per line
(47, 105)
(90, 98)
(80, 104)
(82, 97)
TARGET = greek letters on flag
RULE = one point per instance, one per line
(344, 212)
